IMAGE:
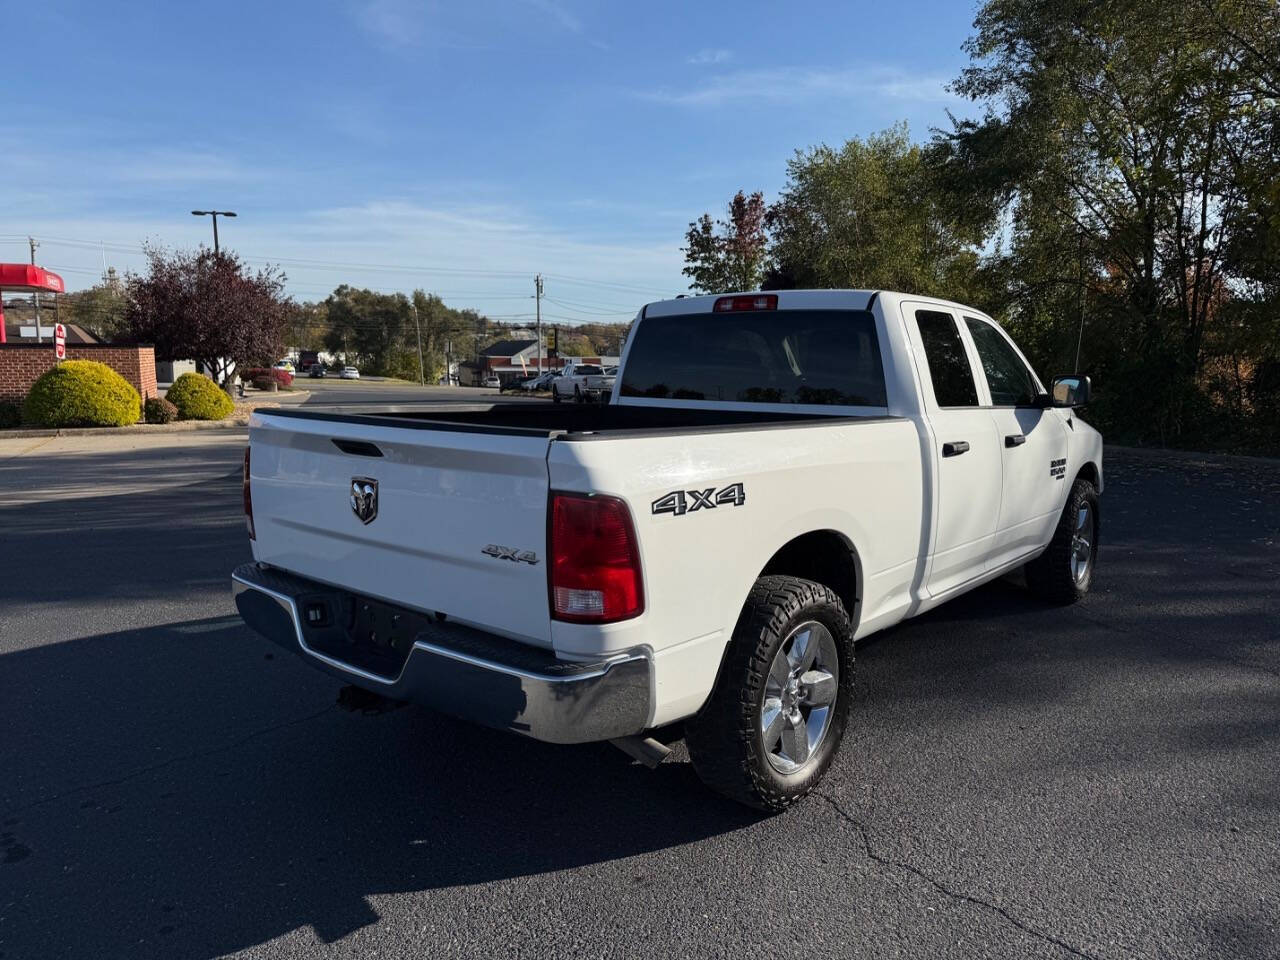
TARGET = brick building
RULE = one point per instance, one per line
(21, 364)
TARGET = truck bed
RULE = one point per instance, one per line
(566, 422)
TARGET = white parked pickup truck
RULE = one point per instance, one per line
(807, 468)
(582, 383)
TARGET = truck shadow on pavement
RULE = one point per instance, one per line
(187, 790)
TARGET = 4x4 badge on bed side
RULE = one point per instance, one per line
(680, 502)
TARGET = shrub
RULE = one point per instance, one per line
(10, 414)
(82, 393)
(282, 377)
(199, 398)
(159, 410)
(266, 383)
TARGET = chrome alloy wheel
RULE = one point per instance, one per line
(1082, 543)
(799, 696)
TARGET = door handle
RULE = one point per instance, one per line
(954, 448)
(1014, 440)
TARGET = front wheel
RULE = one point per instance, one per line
(772, 725)
(1064, 572)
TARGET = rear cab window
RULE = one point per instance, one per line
(949, 369)
(811, 357)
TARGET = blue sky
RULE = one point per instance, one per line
(459, 147)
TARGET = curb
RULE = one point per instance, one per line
(178, 426)
(1171, 453)
(184, 426)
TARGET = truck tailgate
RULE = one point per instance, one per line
(443, 496)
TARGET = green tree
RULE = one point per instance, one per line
(728, 254)
(867, 215)
(101, 309)
(1122, 149)
(368, 329)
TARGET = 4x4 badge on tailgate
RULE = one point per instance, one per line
(514, 554)
(364, 498)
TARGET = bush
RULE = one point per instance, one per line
(159, 410)
(10, 414)
(199, 398)
(82, 393)
(266, 383)
(282, 377)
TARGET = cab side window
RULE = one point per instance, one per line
(949, 368)
(1008, 378)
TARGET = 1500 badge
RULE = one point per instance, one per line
(680, 502)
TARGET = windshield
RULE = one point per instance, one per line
(588, 370)
(782, 356)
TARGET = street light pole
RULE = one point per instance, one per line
(215, 214)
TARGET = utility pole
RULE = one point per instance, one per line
(422, 377)
(35, 297)
(537, 296)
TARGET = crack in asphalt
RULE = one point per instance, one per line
(143, 771)
(943, 889)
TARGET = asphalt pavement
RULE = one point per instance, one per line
(1101, 781)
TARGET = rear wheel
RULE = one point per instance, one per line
(555, 394)
(577, 395)
(773, 723)
(1064, 572)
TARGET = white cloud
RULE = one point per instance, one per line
(481, 256)
(711, 56)
(394, 23)
(794, 84)
(559, 14)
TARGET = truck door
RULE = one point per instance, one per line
(966, 452)
(1033, 445)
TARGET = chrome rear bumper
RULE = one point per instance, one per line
(460, 671)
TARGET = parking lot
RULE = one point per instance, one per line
(1101, 781)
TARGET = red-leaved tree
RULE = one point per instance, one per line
(208, 307)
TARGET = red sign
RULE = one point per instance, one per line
(60, 341)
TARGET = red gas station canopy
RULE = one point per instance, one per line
(25, 277)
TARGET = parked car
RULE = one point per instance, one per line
(542, 382)
(490, 380)
(349, 373)
(317, 370)
(284, 365)
(582, 383)
(809, 468)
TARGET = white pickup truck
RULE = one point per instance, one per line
(582, 383)
(807, 468)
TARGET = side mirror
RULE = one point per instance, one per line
(1072, 391)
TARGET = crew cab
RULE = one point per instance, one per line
(582, 383)
(699, 554)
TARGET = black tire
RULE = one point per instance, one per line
(555, 394)
(577, 395)
(1051, 575)
(725, 741)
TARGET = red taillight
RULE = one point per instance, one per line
(594, 575)
(248, 497)
(756, 301)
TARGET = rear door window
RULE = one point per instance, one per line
(767, 356)
(949, 368)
